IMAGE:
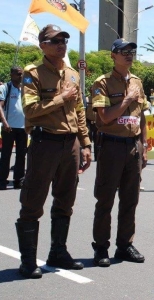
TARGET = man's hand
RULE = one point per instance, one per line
(7, 127)
(86, 159)
(133, 93)
(69, 92)
(144, 158)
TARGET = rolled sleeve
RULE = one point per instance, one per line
(145, 105)
(100, 95)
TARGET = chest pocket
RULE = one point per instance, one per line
(116, 98)
(49, 93)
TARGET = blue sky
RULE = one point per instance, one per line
(13, 15)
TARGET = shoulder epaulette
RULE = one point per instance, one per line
(32, 66)
(104, 76)
(134, 76)
(71, 68)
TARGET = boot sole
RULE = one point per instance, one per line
(103, 265)
(58, 265)
(129, 259)
(30, 275)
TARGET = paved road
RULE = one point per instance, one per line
(120, 281)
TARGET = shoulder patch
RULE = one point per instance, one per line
(27, 80)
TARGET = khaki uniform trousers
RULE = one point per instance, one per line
(50, 161)
(118, 166)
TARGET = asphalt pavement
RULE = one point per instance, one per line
(122, 280)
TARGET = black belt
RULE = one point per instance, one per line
(57, 137)
(91, 122)
(119, 139)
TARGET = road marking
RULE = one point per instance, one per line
(81, 189)
(64, 273)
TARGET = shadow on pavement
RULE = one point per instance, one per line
(88, 263)
(10, 275)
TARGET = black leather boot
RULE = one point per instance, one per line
(101, 257)
(58, 255)
(129, 253)
(27, 233)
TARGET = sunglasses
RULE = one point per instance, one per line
(18, 74)
(127, 52)
(56, 41)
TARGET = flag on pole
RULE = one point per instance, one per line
(62, 9)
(30, 32)
(67, 60)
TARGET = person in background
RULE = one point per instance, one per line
(152, 92)
(12, 118)
(120, 102)
(91, 123)
(55, 118)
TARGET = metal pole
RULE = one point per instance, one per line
(17, 48)
(16, 54)
(82, 48)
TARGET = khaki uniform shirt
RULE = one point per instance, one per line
(43, 104)
(112, 88)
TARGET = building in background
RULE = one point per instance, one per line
(123, 23)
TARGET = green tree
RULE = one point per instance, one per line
(98, 63)
(149, 47)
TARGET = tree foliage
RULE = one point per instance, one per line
(98, 63)
(149, 47)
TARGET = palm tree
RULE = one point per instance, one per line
(149, 47)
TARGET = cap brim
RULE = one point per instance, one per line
(120, 47)
(133, 45)
(64, 33)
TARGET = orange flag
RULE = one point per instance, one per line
(62, 9)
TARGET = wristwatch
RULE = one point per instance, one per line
(145, 145)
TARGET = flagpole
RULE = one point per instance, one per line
(82, 49)
(81, 6)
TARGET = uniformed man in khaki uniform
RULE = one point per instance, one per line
(55, 119)
(119, 100)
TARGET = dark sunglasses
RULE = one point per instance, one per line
(127, 52)
(56, 41)
(18, 74)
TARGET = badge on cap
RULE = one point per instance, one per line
(56, 28)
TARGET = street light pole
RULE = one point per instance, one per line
(128, 23)
(111, 2)
(17, 48)
(106, 24)
(149, 7)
